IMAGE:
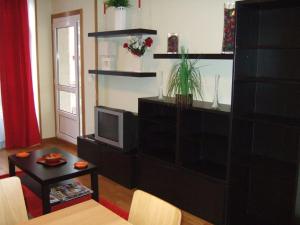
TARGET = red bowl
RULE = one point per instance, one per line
(53, 158)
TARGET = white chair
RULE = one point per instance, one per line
(147, 209)
(12, 204)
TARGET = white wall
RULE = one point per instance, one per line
(199, 24)
(44, 10)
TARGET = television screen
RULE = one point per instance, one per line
(108, 126)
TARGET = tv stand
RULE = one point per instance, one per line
(182, 155)
(112, 162)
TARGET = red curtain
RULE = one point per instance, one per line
(20, 122)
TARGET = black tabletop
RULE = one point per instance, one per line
(44, 174)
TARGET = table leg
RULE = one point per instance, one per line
(94, 184)
(46, 199)
(12, 169)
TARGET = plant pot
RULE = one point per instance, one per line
(120, 18)
(184, 100)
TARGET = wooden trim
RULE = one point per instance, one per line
(52, 139)
(53, 72)
(66, 14)
(38, 67)
(82, 91)
(96, 54)
(82, 73)
(66, 142)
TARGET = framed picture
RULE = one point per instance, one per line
(172, 43)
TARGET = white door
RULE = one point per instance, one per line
(66, 58)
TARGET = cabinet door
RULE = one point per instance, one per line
(186, 190)
(89, 150)
(156, 177)
(201, 196)
(271, 192)
(117, 166)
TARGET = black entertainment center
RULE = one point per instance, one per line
(183, 155)
(238, 165)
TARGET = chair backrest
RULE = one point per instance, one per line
(12, 204)
(147, 209)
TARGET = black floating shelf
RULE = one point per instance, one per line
(123, 73)
(122, 33)
(194, 56)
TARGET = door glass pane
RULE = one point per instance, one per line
(67, 102)
(66, 56)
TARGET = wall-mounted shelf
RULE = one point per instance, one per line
(194, 56)
(122, 33)
(123, 73)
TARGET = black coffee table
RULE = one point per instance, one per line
(47, 176)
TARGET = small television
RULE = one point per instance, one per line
(116, 127)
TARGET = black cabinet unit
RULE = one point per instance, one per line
(237, 165)
(265, 137)
(183, 155)
(111, 161)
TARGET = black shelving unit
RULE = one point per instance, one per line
(183, 152)
(123, 73)
(195, 56)
(122, 33)
(265, 136)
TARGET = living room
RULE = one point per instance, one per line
(111, 121)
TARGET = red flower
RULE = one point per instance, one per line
(125, 45)
(148, 42)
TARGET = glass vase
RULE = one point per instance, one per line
(160, 81)
(215, 103)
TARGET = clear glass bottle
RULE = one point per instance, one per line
(215, 103)
(160, 81)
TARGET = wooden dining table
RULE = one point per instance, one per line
(86, 213)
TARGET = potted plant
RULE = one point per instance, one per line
(120, 12)
(185, 81)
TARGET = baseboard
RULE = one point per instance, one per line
(51, 139)
(55, 140)
(66, 142)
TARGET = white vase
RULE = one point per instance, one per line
(160, 81)
(120, 18)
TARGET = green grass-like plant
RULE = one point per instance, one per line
(117, 3)
(185, 77)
